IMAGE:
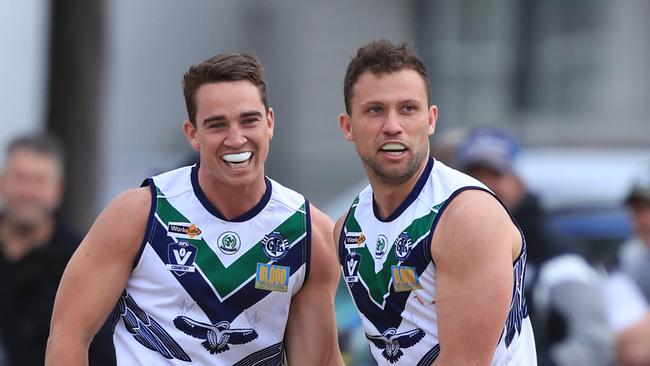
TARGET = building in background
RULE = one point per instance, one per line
(561, 74)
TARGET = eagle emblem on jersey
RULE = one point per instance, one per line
(146, 330)
(392, 342)
(218, 337)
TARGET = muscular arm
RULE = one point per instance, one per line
(311, 330)
(96, 276)
(473, 248)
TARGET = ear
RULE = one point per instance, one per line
(270, 121)
(433, 118)
(346, 125)
(190, 133)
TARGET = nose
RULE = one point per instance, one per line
(392, 124)
(235, 137)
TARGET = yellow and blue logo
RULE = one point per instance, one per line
(405, 278)
(271, 277)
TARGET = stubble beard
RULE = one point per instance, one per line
(395, 176)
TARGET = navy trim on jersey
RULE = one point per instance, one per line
(215, 211)
(415, 192)
(150, 220)
(197, 287)
(442, 209)
(430, 356)
(269, 356)
(307, 239)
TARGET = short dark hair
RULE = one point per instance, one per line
(382, 57)
(39, 143)
(223, 67)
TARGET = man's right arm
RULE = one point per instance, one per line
(96, 276)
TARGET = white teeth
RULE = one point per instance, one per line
(238, 158)
(393, 147)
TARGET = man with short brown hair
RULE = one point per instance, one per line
(213, 263)
(433, 262)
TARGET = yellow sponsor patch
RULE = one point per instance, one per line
(272, 278)
(405, 278)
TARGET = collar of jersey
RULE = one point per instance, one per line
(215, 211)
(415, 192)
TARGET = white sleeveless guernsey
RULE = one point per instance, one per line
(389, 272)
(212, 291)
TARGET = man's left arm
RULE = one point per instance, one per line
(311, 337)
(473, 248)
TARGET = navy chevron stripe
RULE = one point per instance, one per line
(391, 315)
(197, 287)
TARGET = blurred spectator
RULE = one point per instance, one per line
(629, 288)
(35, 246)
(634, 255)
(564, 292)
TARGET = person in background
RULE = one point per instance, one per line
(634, 254)
(35, 245)
(629, 286)
(564, 291)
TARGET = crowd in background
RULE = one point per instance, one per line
(583, 312)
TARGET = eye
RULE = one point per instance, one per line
(250, 121)
(374, 109)
(409, 108)
(216, 125)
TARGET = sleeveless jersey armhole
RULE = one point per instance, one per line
(448, 201)
(340, 243)
(307, 250)
(150, 219)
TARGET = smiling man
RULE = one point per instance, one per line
(433, 261)
(213, 263)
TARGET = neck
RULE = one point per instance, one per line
(18, 240)
(388, 195)
(232, 201)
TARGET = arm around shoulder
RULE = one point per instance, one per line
(311, 330)
(473, 249)
(96, 276)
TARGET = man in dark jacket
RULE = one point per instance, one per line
(563, 290)
(35, 246)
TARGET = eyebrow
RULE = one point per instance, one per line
(221, 117)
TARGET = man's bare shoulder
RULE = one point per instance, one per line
(338, 226)
(474, 220)
(123, 222)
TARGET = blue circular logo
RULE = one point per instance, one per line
(275, 245)
(403, 246)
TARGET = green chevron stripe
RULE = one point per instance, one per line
(378, 283)
(226, 279)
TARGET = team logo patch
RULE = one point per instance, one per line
(403, 246)
(229, 242)
(380, 249)
(275, 245)
(351, 268)
(181, 257)
(405, 278)
(272, 277)
(183, 230)
(354, 240)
